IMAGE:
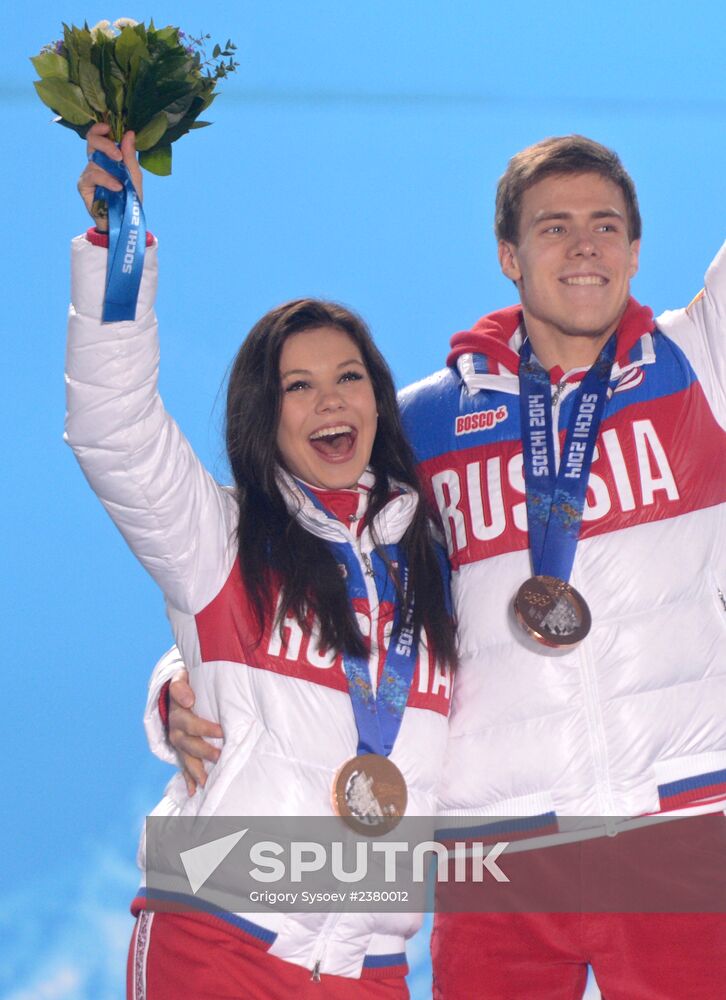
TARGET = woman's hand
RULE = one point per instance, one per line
(188, 733)
(93, 175)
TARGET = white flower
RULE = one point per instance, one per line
(124, 22)
(102, 28)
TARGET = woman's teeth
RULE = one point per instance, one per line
(333, 441)
(331, 432)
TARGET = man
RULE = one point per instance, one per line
(630, 720)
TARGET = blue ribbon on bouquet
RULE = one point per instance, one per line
(126, 243)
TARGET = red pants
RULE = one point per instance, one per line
(179, 957)
(516, 950)
(542, 956)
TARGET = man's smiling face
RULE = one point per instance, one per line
(572, 264)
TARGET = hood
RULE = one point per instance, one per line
(495, 336)
(389, 525)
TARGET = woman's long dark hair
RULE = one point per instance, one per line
(271, 542)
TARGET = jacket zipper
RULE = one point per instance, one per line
(372, 663)
(372, 594)
(319, 954)
(595, 727)
(593, 711)
(559, 389)
(556, 397)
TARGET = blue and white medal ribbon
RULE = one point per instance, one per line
(369, 791)
(547, 607)
(126, 243)
(378, 714)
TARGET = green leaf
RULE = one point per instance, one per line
(168, 34)
(83, 42)
(113, 80)
(187, 122)
(202, 102)
(72, 51)
(182, 128)
(128, 45)
(151, 94)
(211, 96)
(157, 161)
(50, 65)
(97, 50)
(178, 109)
(204, 99)
(172, 63)
(66, 99)
(78, 45)
(151, 133)
(90, 80)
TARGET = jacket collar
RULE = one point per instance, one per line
(389, 525)
(487, 356)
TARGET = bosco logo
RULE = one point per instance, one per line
(482, 420)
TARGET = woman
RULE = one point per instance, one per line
(282, 593)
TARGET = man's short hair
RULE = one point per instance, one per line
(569, 154)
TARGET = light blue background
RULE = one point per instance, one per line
(354, 156)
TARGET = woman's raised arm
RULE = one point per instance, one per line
(175, 518)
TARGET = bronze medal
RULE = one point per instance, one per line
(552, 612)
(369, 794)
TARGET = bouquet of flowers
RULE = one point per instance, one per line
(156, 81)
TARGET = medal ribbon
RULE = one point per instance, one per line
(126, 243)
(556, 498)
(377, 715)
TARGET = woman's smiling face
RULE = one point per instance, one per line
(328, 416)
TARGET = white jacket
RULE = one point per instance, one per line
(284, 707)
(633, 720)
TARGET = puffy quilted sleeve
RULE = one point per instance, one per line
(700, 329)
(177, 520)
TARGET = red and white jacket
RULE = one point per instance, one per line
(633, 720)
(284, 706)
